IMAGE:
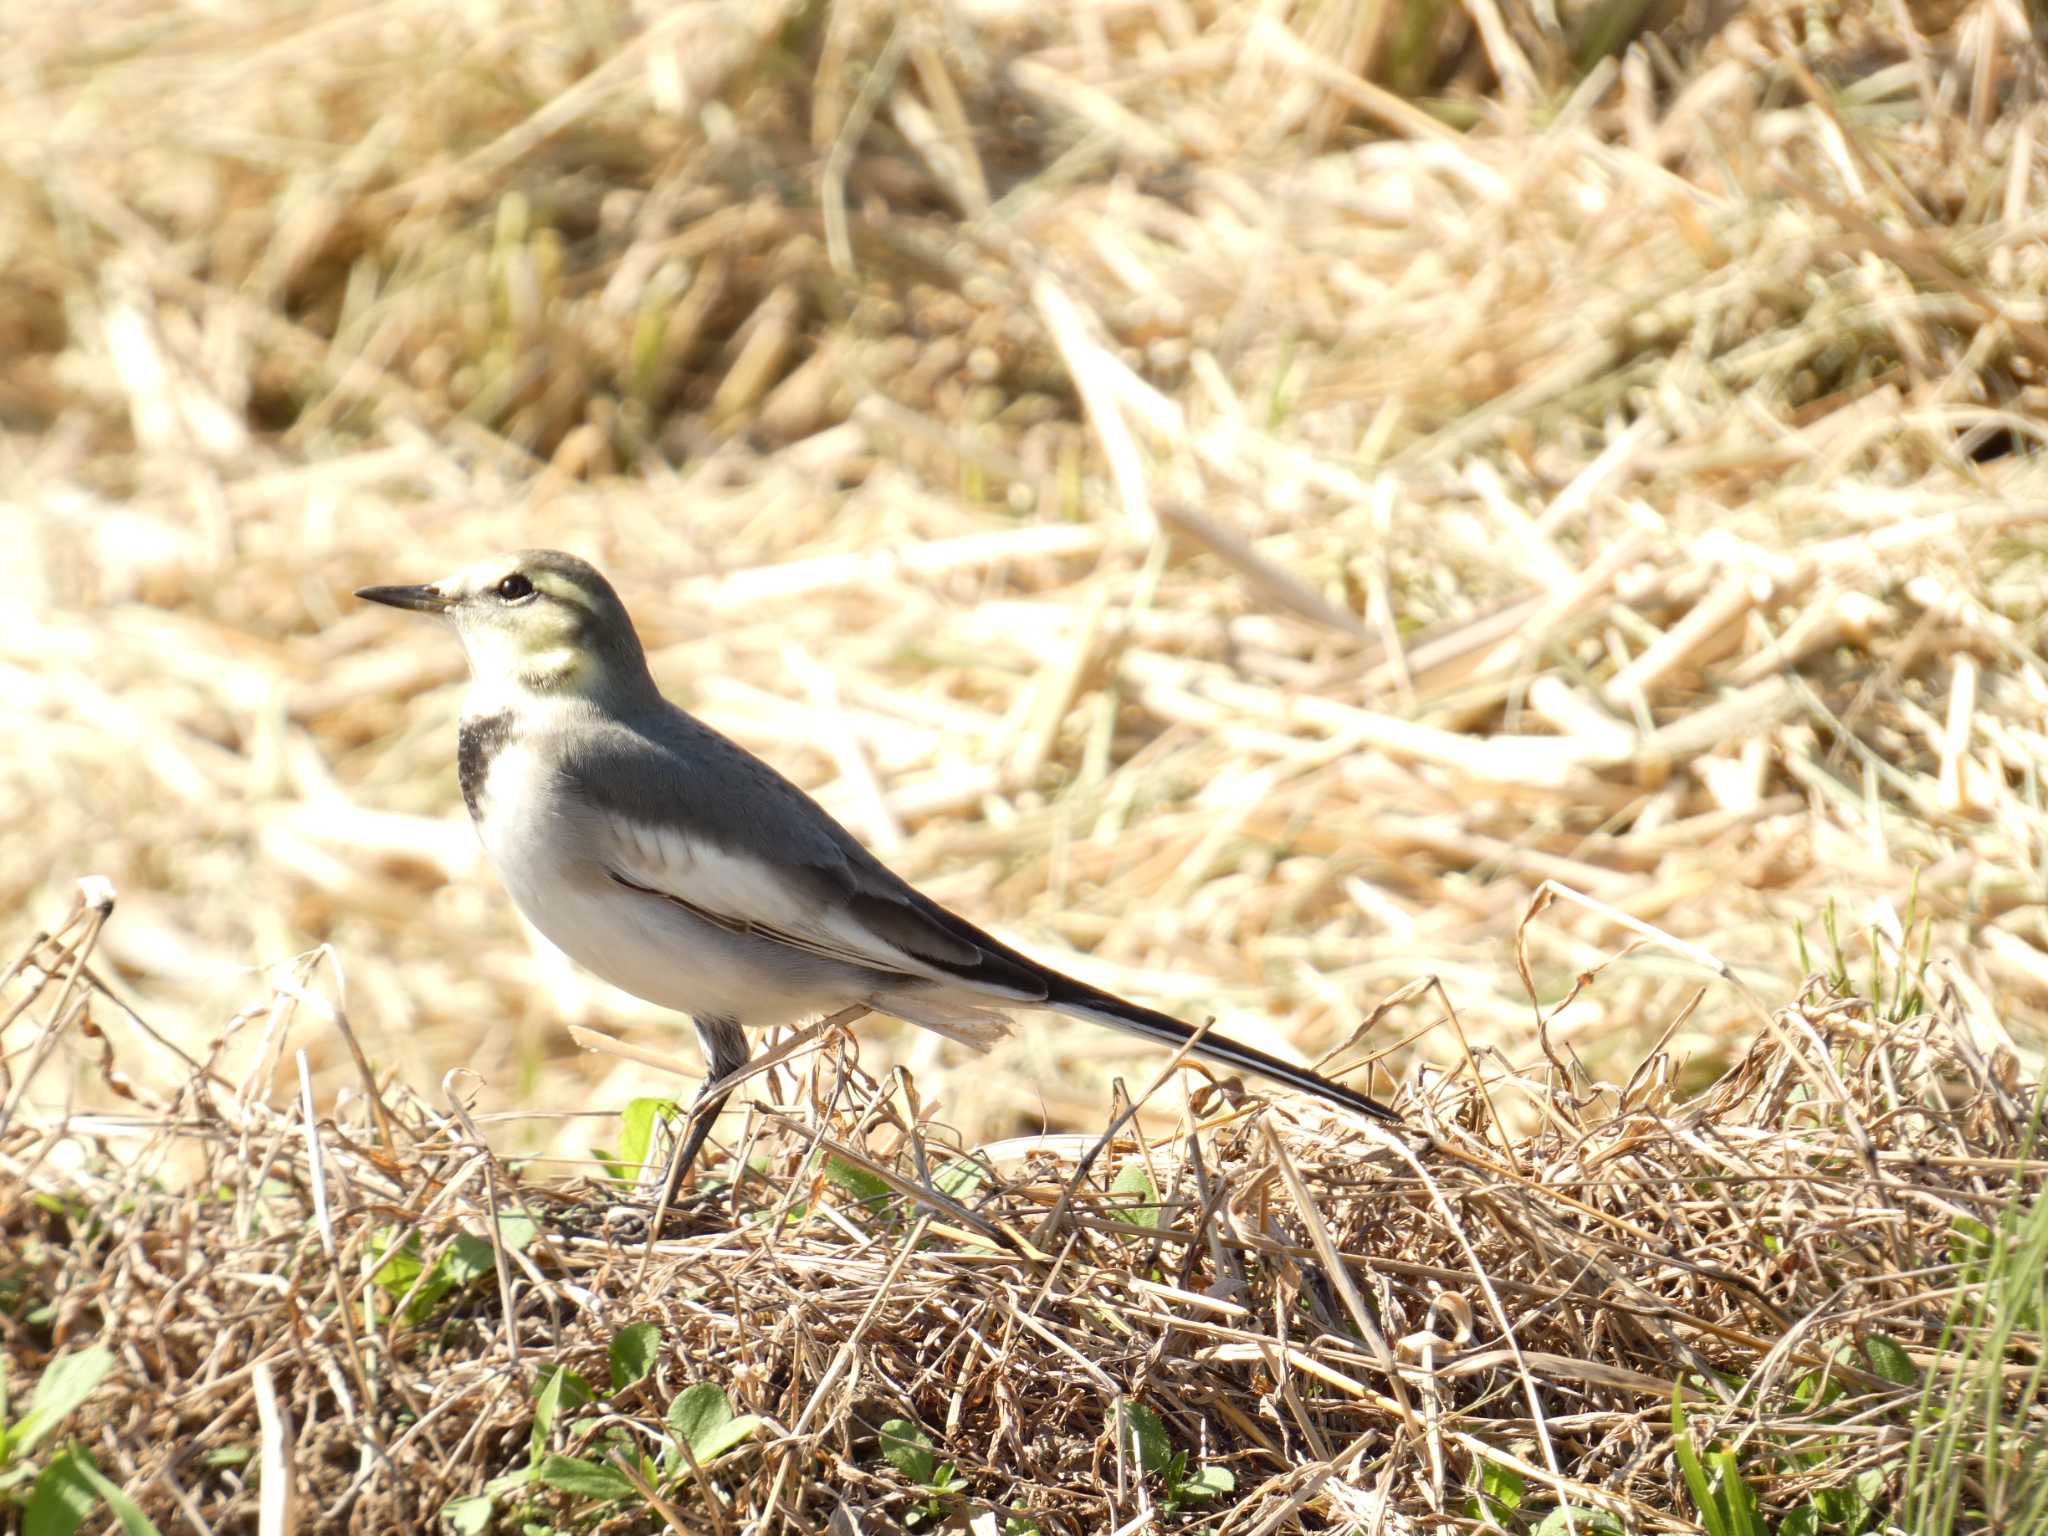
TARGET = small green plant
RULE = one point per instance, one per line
(1133, 1180)
(872, 1193)
(875, 1197)
(1721, 1496)
(1850, 1509)
(909, 1450)
(960, 1179)
(1500, 1500)
(1498, 1496)
(1728, 1506)
(63, 1491)
(1895, 997)
(632, 1355)
(957, 1179)
(1575, 1520)
(1974, 1462)
(1142, 1434)
(406, 1287)
(637, 1124)
(1721, 1490)
(701, 1417)
(595, 1463)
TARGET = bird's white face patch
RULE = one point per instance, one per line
(520, 644)
(511, 662)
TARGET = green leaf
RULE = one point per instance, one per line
(1737, 1497)
(633, 1353)
(1134, 1180)
(864, 1186)
(1500, 1491)
(1814, 1390)
(468, 1258)
(60, 1500)
(1889, 1360)
(961, 1179)
(1207, 1483)
(470, 1514)
(1803, 1521)
(1970, 1246)
(134, 1522)
(1847, 1507)
(560, 1388)
(66, 1382)
(398, 1267)
(637, 1133)
(1144, 1433)
(1696, 1483)
(703, 1417)
(1571, 1520)
(1502, 1484)
(908, 1449)
(585, 1479)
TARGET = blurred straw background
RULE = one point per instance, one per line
(1232, 496)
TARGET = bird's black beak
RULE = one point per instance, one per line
(419, 599)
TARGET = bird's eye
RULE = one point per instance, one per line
(514, 587)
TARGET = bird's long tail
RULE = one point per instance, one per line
(1107, 1008)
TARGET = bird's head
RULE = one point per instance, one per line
(538, 622)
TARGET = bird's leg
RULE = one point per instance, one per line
(702, 1113)
(725, 1051)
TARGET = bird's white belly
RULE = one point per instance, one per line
(637, 942)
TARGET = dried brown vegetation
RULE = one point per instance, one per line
(1233, 496)
(1354, 1327)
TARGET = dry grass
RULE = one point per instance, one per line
(1234, 497)
(1352, 1326)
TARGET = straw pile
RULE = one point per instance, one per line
(1233, 497)
(1178, 500)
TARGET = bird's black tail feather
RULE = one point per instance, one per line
(1106, 1008)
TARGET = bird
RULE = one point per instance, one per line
(680, 867)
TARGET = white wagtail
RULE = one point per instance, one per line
(680, 867)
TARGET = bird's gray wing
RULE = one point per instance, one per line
(680, 813)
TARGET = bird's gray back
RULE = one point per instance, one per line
(660, 765)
